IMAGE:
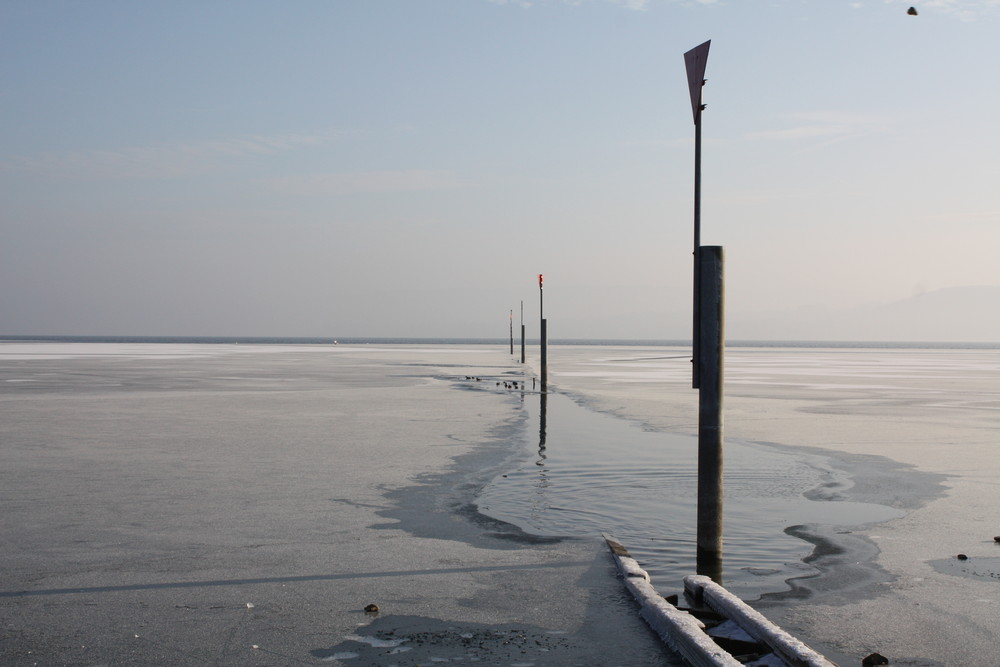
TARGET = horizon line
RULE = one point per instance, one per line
(470, 340)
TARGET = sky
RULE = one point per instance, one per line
(408, 167)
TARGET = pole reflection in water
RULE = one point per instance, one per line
(540, 506)
(542, 408)
(709, 564)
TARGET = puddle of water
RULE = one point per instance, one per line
(984, 569)
(590, 473)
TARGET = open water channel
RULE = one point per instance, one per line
(588, 473)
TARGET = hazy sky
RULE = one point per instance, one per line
(407, 167)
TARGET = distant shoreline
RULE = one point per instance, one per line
(621, 342)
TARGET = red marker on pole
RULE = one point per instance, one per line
(541, 308)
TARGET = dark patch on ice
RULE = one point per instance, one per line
(841, 568)
(429, 508)
(394, 640)
(353, 503)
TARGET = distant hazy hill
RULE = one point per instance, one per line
(966, 314)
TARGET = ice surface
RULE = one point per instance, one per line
(153, 491)
(914, 429)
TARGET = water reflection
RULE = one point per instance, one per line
(542, 409)
(591, 473)
(709, 563)
(541, 484)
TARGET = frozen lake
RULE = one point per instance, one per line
(151, 491)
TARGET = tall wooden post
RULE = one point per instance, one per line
(545, 357)
(710, 401)
(511, 332)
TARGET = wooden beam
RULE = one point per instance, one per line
(681, 631)
(792, 651)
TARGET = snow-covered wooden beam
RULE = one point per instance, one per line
(792, 651)
(681, 631)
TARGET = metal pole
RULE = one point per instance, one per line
(695, 61)
(696, 317)
(710, 401)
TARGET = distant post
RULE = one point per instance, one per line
(710, 400)
(695, 61)
(544, 336)
(522, 331)
(511, 332)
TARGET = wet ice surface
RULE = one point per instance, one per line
(591, 473)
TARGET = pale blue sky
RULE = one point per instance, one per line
(406, 168)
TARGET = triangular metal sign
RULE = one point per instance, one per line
(695, 61)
